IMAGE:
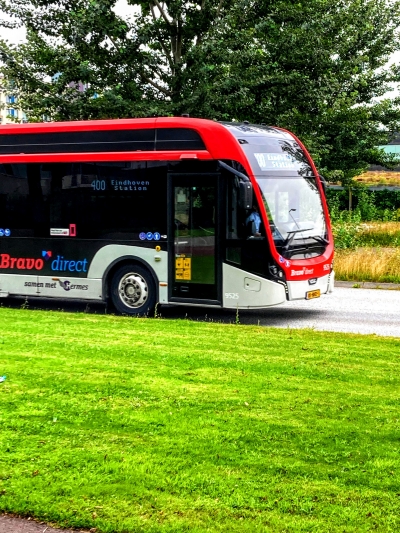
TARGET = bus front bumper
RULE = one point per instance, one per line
(302, 289)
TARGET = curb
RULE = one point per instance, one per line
(368, 285)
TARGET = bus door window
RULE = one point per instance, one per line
(194, 224)
(195, 234)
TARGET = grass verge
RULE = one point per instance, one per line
(380, 178)
(139, 425)
(374, 234)
(380, 265)
(370, 252)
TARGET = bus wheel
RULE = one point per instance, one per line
(133, 290)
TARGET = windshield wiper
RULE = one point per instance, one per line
(290, 237)
(318, 238)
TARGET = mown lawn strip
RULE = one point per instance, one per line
(152, 425)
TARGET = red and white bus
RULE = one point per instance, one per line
(161, 211)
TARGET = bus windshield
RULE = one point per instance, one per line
(295, 213)
(291, 197)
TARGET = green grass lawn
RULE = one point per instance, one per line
(153, 425)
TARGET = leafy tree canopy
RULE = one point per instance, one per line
(316, 67)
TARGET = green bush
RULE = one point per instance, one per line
(346, 229)
(366, 205)
(369, 204)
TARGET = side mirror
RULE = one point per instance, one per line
(245, 195)
(323, 183)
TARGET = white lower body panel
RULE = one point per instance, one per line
(242, 290)
(157, 260)
(51, 287)
(61, 285)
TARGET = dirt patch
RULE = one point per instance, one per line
(13, 524)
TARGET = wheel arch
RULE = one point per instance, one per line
(121, 261)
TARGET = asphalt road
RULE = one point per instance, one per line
(348, 310)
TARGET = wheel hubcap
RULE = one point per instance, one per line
(133, 290)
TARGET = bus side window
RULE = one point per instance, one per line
(235, 228)
(235, 222)
(14, 195)
(23, 200)
(109, 200)
(59, 199)
(38, 208)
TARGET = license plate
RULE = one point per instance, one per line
(313, 294)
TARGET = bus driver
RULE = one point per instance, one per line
(253, 222)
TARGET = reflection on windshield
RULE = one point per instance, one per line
(279, 156)
(295, 212)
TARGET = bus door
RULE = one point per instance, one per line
(194, 268)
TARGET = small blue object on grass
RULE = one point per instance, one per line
(2, 378)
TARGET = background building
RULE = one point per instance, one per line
(392, 148)
(8, 111)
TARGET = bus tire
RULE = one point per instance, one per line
(133, 291)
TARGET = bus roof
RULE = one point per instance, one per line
(244, 129)
(84, 140)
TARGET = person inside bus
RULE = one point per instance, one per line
(253, 222)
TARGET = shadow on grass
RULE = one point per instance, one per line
(279, 316)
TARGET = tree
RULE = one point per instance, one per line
(315, 67)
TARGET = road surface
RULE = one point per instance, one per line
(347, 310)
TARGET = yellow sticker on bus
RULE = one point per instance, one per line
(183, 268)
